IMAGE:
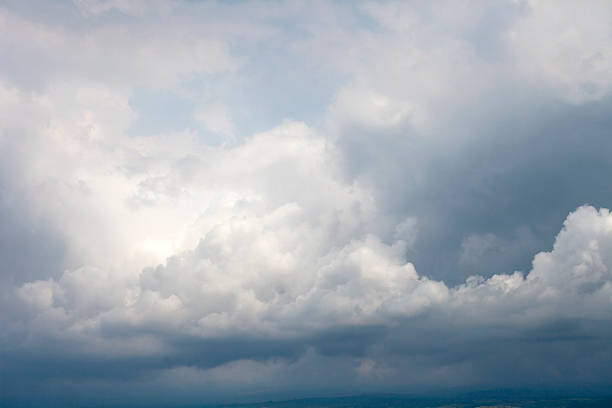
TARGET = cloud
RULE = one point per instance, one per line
(287, 254)
(107, 52)
(129, 7)
(443, 117)
(224, 292)
(391, 241)
(566, 48)
(217, 120)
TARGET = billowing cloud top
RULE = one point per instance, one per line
(236, 200)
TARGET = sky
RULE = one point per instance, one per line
(223, 201)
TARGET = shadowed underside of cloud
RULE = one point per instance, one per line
(395, 237)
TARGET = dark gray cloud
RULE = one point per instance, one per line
(508, 187)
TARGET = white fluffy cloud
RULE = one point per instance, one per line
(282, 235)
(284, 272)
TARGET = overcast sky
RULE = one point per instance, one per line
(223, 201)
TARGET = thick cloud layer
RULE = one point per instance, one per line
(224, 201)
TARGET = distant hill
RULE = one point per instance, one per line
(475, 400)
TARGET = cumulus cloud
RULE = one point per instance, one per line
(242, 298)
(392, 243)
